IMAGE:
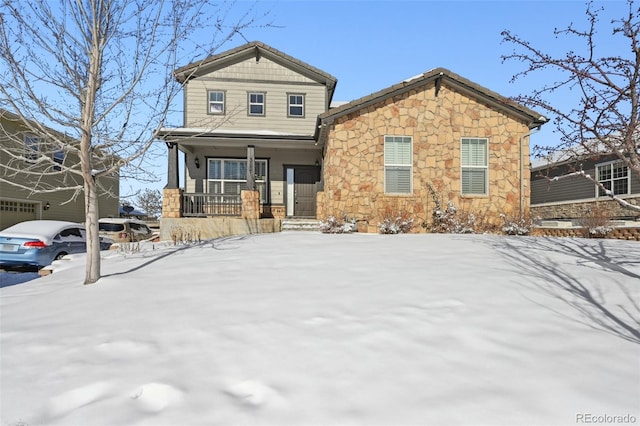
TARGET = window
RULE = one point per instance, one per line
(296, 105)
(216, 102)
(256, 104)
(474, 166)
(31, 148)
(398, 169)
(17, 206)
(614, 176)
(228, 176)
(58, 158)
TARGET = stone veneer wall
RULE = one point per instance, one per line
(354, 159)
(577, 210)
(250, 204)
(172, 203)
(622, 233)
(272, 211)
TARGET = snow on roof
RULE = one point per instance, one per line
(336, 104)
(413, 78)
(204, 130)
(119, 220)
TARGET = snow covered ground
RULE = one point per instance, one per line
(309, 329)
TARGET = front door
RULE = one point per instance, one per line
(301, 190)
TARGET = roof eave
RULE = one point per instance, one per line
(258, 49)
(494, 100)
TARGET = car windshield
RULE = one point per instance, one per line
(111, 227)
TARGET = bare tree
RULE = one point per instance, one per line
(150, 201)
(93, 79)
(606, 117)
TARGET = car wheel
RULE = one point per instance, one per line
(60, 256)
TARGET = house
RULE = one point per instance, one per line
(571, 198)
(22, 169)
(254, 107)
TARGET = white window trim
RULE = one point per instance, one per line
(264, 179)
(485, 168)
(410, 166)
(610, 163)
(263, 104)
(210, 103)
(289, 105)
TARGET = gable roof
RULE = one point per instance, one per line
(440, 76)
(255, 49)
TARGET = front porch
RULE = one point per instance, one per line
(239, 186)
(205, 216)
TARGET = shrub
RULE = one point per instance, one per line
(596, 222)
(333, 225)
(446, 220)
(520, 225)
(129, 248)
(449, 221)
(393, 222)
(184, 235)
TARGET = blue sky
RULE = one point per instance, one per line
(370, 45)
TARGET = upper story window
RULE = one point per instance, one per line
(398, 165)
(31, 148)
(613, 176)
(216, 102)
(296, 105)
(256, 103)
(474, 159)
(58, 159)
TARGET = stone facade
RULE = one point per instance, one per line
(273, 211)
(573, 210)
(353, 169)
(172, 203)
(250, 204)
(198, 229)
(622, 233)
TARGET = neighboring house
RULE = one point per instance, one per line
(257, 105)
(18, 203)
(572, 197)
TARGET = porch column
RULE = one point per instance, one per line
(250, 204)
(251, 168)
(173, 180)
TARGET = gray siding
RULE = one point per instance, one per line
(570, 188)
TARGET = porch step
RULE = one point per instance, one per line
(300, 225)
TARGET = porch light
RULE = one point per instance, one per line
(47, 206)
(197, 161)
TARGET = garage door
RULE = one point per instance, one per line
(12, 212)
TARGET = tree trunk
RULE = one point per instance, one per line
(92, 273)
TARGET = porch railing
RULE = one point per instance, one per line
(199, 204)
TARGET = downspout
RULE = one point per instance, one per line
(528, 135)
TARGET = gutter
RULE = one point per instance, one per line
(528, 135)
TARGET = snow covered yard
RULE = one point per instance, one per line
(309, 329)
